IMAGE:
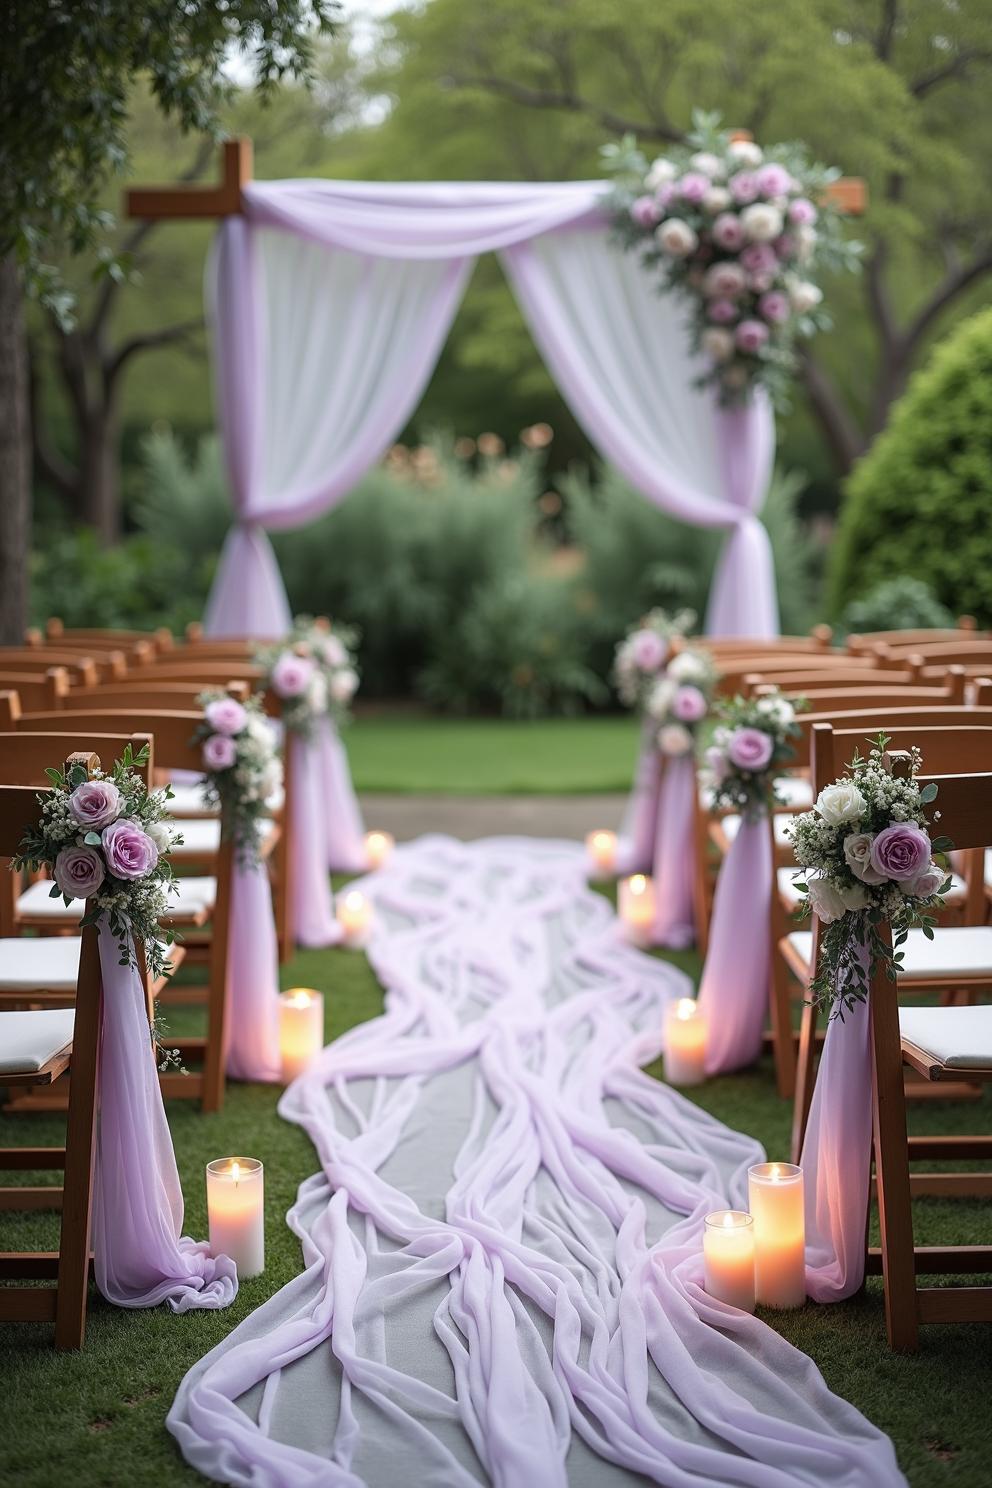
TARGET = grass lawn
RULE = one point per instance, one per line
(96, 1419)
(483, 756)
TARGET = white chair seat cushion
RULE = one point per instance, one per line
(789, 892)
(29, 964)
(960, 1037)
(28, 1040)
(956, 950)
(732, 824)
(37, 903)
(794, 790)
(201, 837)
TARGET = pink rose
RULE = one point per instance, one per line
(129, 851)
(664, 194)
(744, 186)
(802, 212)
(759, 258)
(226, 716)
(724, 281)
(926, 883)
(773, 180)
(727, 231)
(775, 307)
(95, 803)
(689, 705)
(751, 335)
(648, 650)
(901, 851)
(693, 186)
(722, 311)
(219, 752)
(645, 211)
(785, 246)
(291, 675)
(79, 872)
(750, 749)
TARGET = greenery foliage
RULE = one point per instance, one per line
(918, 503)
(897, 604)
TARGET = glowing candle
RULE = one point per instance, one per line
(301, 1029)
(379, 848)
(601, 848)
(354, 913)
(236, 1211)
(728, 1257)
(776, 1200)
(685, 1043)
(635, 904)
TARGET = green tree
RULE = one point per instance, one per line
(67, 74)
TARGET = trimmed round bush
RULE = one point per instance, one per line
(919, 503)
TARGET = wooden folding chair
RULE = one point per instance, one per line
(135, 642)
(967, 627)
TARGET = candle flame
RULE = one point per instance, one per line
(685, 1008)
(236, 1170)
(638, 883)
(355, 900)
(299, 997)
(776, 1173)
(728, 1221)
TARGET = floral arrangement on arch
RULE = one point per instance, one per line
(640, 657)
(679, 701)
(751, 745)
(106, 839)
(744, 234)
(242, 768)
(867, 857)
(313, 672)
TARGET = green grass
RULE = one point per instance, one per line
(96, 1419)
(480, 756)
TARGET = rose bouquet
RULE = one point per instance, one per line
(679, 701)
(750, 747)
(641, 656)
(242, 769)
(106, 839)
(313, 672)
(868, 857)
(743, 233)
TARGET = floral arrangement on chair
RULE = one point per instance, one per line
(242, 769)
(680, 699)
(751, 746)
(313, 672)
(640, 657)
(743, 233)
(868, 857)
(106, 839)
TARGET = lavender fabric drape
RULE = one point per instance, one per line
(836, 1160)
(343, 817)
(636, 840)
(733, 992)
(314, 922)
(140, 1256)
(252, 978)
(743, 601)
(674, 855)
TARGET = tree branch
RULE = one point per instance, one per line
(887, 31)
(955, 283)
(842, 433)
(548, 98)
(146, 341)
(955, 68)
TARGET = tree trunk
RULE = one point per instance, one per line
(15, 457)
(99, 472)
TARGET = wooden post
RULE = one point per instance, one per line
(155, 203)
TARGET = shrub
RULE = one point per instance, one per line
(898, 604)
(918, 502)
(139, 584)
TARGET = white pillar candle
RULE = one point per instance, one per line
(601, 849)
(775, 1193)
(685, 1043)
(236, 1211)
(301, 1029)
(635, 905)
(354, 914)
(379, 848)
(728, 1257)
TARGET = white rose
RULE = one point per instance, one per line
(778, 709)
(271, 778)
(317, 693)
(825, 901)
(761, 222)
(717, 199)
(718, 344)
(805, 242)
(745, 152)
(840, 803)
(857, 856)
(344, 685)
(686, 667)
(804, 296)
(333, 651)
(856, 897)
(724, 280)
(709, 165)
(261, 730)
(659, 700)
(674, 739)
(161, 834)
(661, 171)
(676, 237)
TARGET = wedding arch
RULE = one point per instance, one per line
(330, 302)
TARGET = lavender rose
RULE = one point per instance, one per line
(95, 803)
(926, 884)
(219, 752)
(689, 705)
(79, 872)
(750, 749)
(901, 851)
(291, 675)
(226, 716)
(648, 650)
(130, 852)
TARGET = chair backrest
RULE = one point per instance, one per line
(172, 730)
(965, 649)
(126, 640)
(213, 672)
(144, 692)
(83, 670)
(40, 689)
(966, 627)
(862, 677)
(827, 699)
(25, 755)
(819, 639)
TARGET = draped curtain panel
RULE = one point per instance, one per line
(330, 302)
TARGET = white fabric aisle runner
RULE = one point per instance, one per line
(504, 1278)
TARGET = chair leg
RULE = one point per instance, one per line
(80, 1151)
(805, 1078)
(781, 1021)
(892, 1169)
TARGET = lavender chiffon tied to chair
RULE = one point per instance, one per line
(314, 922)
(252, 978)
(342, 816)
(636, 841)
(140, 1256)
(674, 855)
(733, 992)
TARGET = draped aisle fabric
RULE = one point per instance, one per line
(502, 1247)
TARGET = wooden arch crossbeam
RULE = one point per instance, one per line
(162, 203)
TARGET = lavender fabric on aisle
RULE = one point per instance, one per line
(733, 992)
(503, 1278)
(252, 978)
(341, 814)
(635, 844)
(674, 855)
(312, 907)
(140, 1256)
